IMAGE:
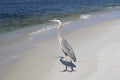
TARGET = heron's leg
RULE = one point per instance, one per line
(65, 67)
(66, 63)
(71, 66)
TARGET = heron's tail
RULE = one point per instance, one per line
(74, 59)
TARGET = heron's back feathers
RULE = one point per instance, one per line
(67, 49)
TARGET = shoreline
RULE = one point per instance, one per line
(87, 42)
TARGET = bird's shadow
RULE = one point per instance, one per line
(69, 64)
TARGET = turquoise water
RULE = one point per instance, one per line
(16, 14)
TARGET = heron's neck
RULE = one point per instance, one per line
(59, 33)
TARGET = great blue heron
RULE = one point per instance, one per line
(66, 48)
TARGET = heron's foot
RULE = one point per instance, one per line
(71, 70)
(64, 70)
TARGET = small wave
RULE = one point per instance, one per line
(66, 23)
(85, 16)
(43, 29)
(48, 27)
(110, 7)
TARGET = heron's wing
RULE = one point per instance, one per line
(68, 49)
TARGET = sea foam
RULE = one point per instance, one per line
(85, 16)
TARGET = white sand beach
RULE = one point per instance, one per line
(96, 48)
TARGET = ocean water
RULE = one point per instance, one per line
(16, 14)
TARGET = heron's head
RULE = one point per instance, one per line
(58, 21)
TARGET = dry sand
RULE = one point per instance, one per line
(96, 48)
